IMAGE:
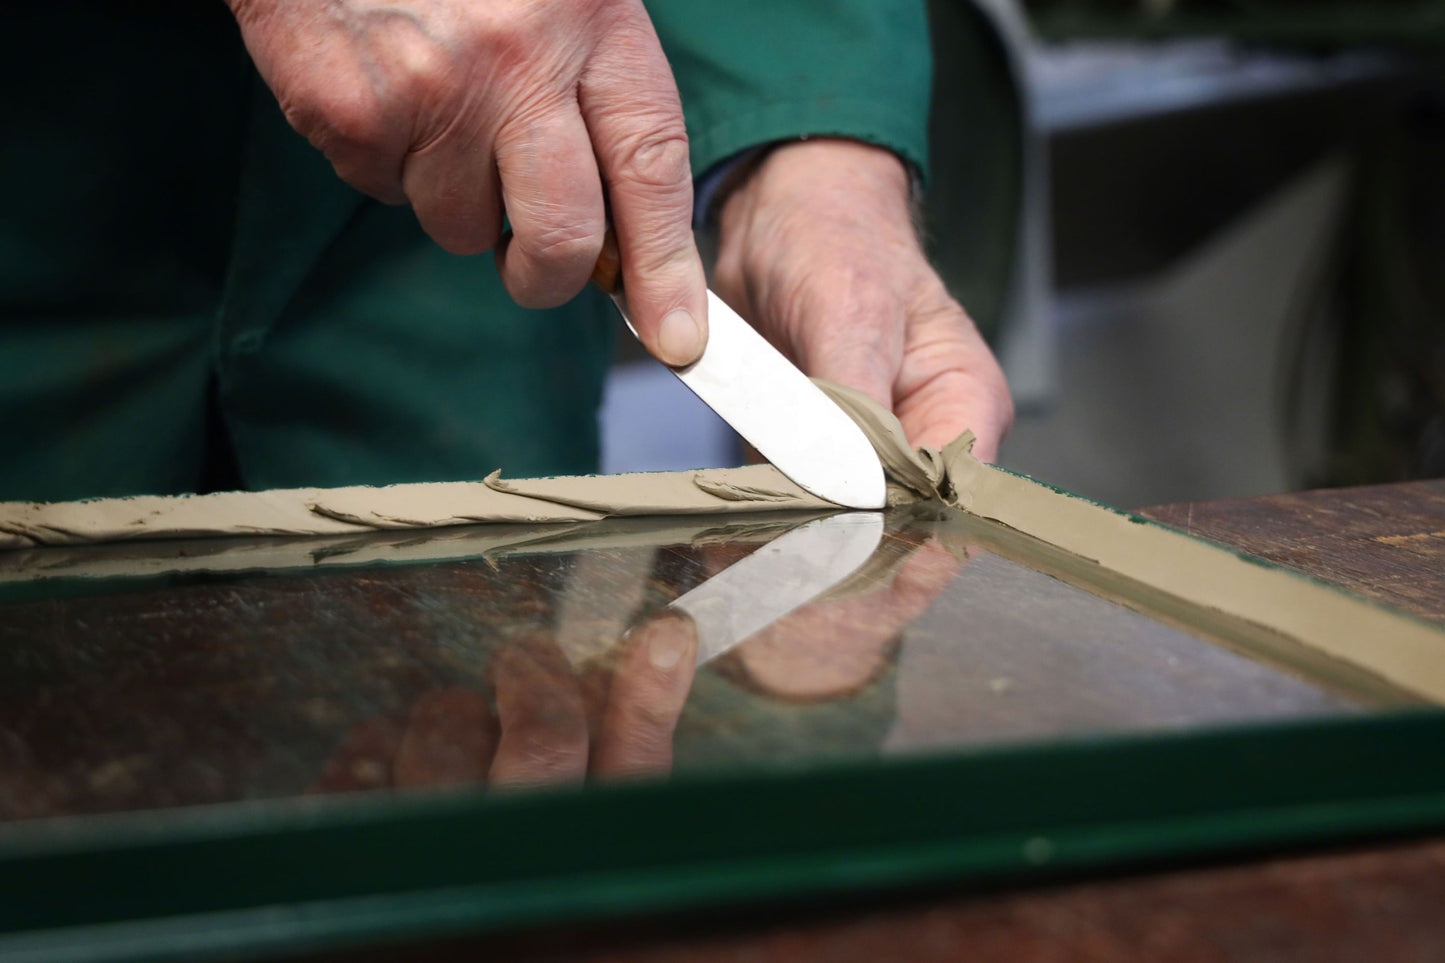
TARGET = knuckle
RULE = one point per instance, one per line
(554, 265)
(457, 229)
(337, 117)
(419, 72)
(462, 241)
(854, 294)
(647, 721)
(656, 159)
(555, 750)
(504, 25)
(637, 741)
(507, 37)
(562, 244)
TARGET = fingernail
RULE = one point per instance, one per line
(679, 339)
(666, 647)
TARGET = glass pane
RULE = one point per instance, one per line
(177, 674)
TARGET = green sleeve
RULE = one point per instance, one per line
(755, 71)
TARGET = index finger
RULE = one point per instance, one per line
(544, 724)
(649, 688)
(630, 104)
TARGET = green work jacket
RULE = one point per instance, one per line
(190, 298)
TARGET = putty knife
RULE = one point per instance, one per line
(772, 404)
(778, 578)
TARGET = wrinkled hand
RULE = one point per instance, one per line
(469, 111)
(817, 247)
(549, 727)
(834, 647)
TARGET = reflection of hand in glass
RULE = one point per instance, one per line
(548, 726)
(649, 686)
(835, 647)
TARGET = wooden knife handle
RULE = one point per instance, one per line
(607, 275)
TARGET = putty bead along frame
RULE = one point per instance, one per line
(302, 874)
(1192, 582)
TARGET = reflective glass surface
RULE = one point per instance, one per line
(179, 674)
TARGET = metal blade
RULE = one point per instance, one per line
(783, 575)
(780, 412)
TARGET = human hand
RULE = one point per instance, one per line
(472, 111)
(549, 726)
(817, 247)
(834, 647)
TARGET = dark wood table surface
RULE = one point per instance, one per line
(1375, 902)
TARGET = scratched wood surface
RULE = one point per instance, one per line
(1385, 542)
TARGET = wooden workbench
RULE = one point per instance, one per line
(1378, 902)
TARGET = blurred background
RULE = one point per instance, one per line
(1206, 238)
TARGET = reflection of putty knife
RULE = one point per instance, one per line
(783, 575)
(770, 403)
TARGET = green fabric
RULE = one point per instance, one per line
(113, 246)
(189, 297)
(763, 71)
(755, 71)
(353, 350)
